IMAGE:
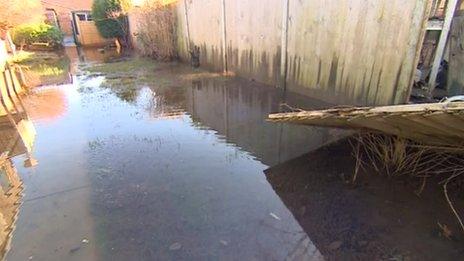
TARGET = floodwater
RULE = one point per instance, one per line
(171, 171)
(145, 161)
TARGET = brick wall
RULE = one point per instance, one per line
(63, 9)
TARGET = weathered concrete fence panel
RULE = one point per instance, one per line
(345, 51)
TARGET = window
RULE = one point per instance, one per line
(81, 17)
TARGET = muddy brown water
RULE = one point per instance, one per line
(184, 170)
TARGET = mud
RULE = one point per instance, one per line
(375, 219)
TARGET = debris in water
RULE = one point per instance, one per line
(104, 170)
(274, 216)
(225, 243)
(85, 241)
(175, 246)
(335, 245)
(73, 250)
(445, 231)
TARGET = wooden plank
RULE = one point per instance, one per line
(425, 123)
(455, 83)
(450, 9)
(415, 48)
(435, 25)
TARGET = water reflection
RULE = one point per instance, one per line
(176, 172)
(236, 109)
(183, 184)
(17, 136)
(47, 69)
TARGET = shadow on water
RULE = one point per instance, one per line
(147, 161)
(17, 136)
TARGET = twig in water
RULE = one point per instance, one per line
(445, 189)
(293, 109)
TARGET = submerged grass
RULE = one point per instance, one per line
(42, 68)
(142, 71)
(397, 156)
(126, 76)
(126, 66)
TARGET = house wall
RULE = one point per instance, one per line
(343, 51)
(63, 9)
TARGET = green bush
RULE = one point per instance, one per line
(110, 17)
(28, 34)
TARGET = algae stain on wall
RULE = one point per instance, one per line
(350, 51)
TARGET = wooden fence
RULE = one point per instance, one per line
(343, 51)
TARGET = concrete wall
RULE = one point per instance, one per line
(344, 51)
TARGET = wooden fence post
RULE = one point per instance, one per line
(449, 14)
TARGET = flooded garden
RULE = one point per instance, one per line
(140, 160)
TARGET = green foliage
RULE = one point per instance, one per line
(37, 33)
(110, 17)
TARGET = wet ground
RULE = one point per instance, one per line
(157, 168)
(146, 161)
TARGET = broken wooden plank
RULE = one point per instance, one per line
(432, 123)
(450, 9)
